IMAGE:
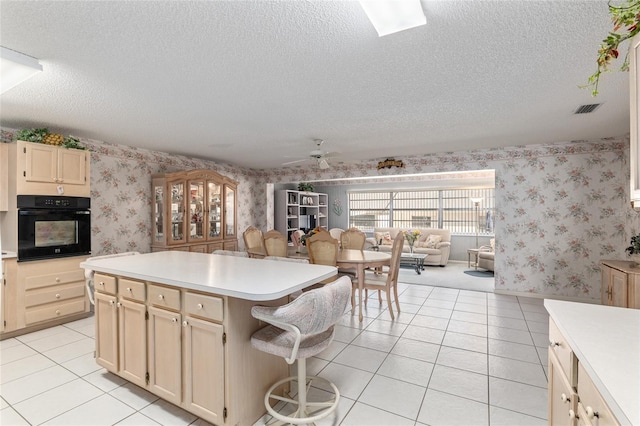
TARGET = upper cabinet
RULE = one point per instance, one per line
(193, 211)
(634, 87)
(51, 170)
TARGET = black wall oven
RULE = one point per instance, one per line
(53, 226)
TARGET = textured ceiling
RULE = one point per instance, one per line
(254, 82)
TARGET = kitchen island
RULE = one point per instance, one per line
(594, 364)
(179, 325)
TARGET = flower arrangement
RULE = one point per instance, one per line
(626, 19)
(303, 239)
(43, 136)
(411, 236)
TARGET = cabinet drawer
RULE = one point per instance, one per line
(46, 280)
(54, 310)
(164, 297)
(563, 352)
(130, 289)
(200, 305)
(53, 294)
(104, 283)
(595, 409)
(198, 248)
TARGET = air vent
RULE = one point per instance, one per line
(586, 109)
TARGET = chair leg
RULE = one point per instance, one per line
(395, 293)
(353, 300)
(379, 297)
(389, 305)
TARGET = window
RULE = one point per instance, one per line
(450, 209)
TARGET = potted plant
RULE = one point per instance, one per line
(634, 249)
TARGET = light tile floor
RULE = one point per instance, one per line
(452, 357)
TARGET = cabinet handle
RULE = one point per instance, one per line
(184, 323)
(174, 320)
(590, 413)
(553, 344)
(160, 297)
(119, 304)
(57, 295)
(101, 283)
(111, 302)
(200, 306)
(57, 279)
(565, 398)
(129, 289)
(572, 414)
(58, 312)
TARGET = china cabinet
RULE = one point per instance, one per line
(300, 210)
(193, 211)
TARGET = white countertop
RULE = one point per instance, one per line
(606, 341)
(244, 278)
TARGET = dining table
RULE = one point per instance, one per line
(347, 259)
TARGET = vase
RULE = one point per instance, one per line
(411, 248)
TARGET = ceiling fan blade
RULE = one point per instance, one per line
(332, 154)
(295, 161)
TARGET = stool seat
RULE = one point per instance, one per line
(275, 341)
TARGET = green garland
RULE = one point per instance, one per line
(625, 18)
(38, 135)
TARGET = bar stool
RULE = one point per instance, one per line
(299, 330)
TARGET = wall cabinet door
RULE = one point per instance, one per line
(46, 163)
(229, 211)
(165, 350)
(618, 288)
(106, 331)
(204, 369)
(132, 341)
(72, 166)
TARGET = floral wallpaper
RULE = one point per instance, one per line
(560, 207)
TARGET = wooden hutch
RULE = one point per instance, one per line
(193, 211)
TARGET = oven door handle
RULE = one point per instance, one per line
(48, 212)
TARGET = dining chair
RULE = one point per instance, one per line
(299, 330)
(253, 239)
(231, 253)
(353, 238)
(275, 244)
(336, 232)
(323, 250)
(386, 280)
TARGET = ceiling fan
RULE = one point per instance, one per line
(317, 155)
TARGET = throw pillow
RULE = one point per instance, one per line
(385, 237)
(433, 241)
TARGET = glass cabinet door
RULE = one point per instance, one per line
(196, 211)
(177, 212)
(229, 211)
(158, 209)
(214, 202)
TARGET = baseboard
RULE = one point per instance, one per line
(546, 296)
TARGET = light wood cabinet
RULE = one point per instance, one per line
(300, 210)
(634, 97)
(4, 177)
(573, 398)
(44, 293)
(173, 342)
(193, 211)
(620, 284)
(46, 169)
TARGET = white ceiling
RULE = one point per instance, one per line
(253, 83)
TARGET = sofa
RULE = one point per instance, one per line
(437, 247)
(486, 256)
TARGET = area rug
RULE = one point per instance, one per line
(480, 274)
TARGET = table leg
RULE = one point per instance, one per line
(360, 288)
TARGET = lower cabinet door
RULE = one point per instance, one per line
(562, 398)
(165, 349)
(106, 331)
(204, 369)
(132, 341)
